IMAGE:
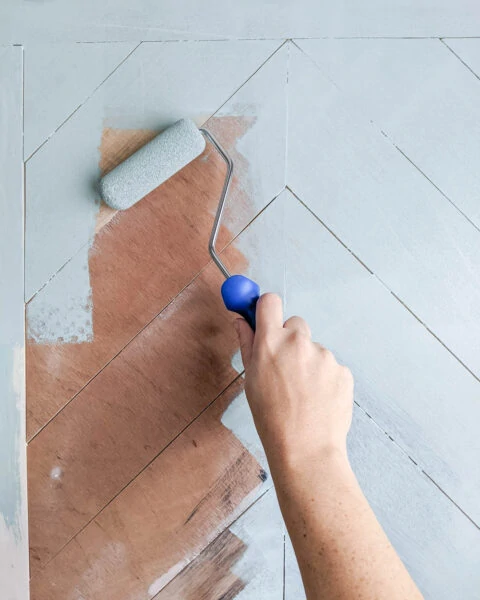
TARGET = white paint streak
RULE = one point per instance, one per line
(164, 579)
(237, 362)
(56, 473)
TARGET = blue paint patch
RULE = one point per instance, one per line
(62, 311)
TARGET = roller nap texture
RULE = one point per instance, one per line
(153, 164)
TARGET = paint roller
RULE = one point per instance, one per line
(156, 162)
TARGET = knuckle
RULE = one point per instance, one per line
(327, 355)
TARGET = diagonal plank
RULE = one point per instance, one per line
(157, 246)
(422, 97)
(13, 493)
(384, 210)
(58, 79)
(163, 520)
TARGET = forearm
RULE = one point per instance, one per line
(341, 549)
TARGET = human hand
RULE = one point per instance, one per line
(300, 397)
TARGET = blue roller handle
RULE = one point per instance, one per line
(240, 295)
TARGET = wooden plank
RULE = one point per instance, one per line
(117, 20)
(13, 490)
(245, 561)
(158, 84)
(384, 209)
(439, 546)
(161, 522)
(106, 294)
(58, 80)
(422, 97)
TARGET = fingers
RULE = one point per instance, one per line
(269, 313)
(298, 324)
(245, 336)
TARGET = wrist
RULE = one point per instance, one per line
(296, 462)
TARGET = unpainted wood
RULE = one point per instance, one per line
(197, 486)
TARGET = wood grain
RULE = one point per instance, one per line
(139, 261)
(161, 521)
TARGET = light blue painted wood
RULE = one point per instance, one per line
(384, 209)
(58, 79)
(158, 84)
(407, 381)
(261, 529)
(422, 97)
(88, 20)
(13, 489)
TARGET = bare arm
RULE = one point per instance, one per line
(301, 401)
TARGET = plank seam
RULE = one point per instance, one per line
(442, 40)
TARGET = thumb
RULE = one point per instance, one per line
(245, 336)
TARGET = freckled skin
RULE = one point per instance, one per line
(301, 400)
